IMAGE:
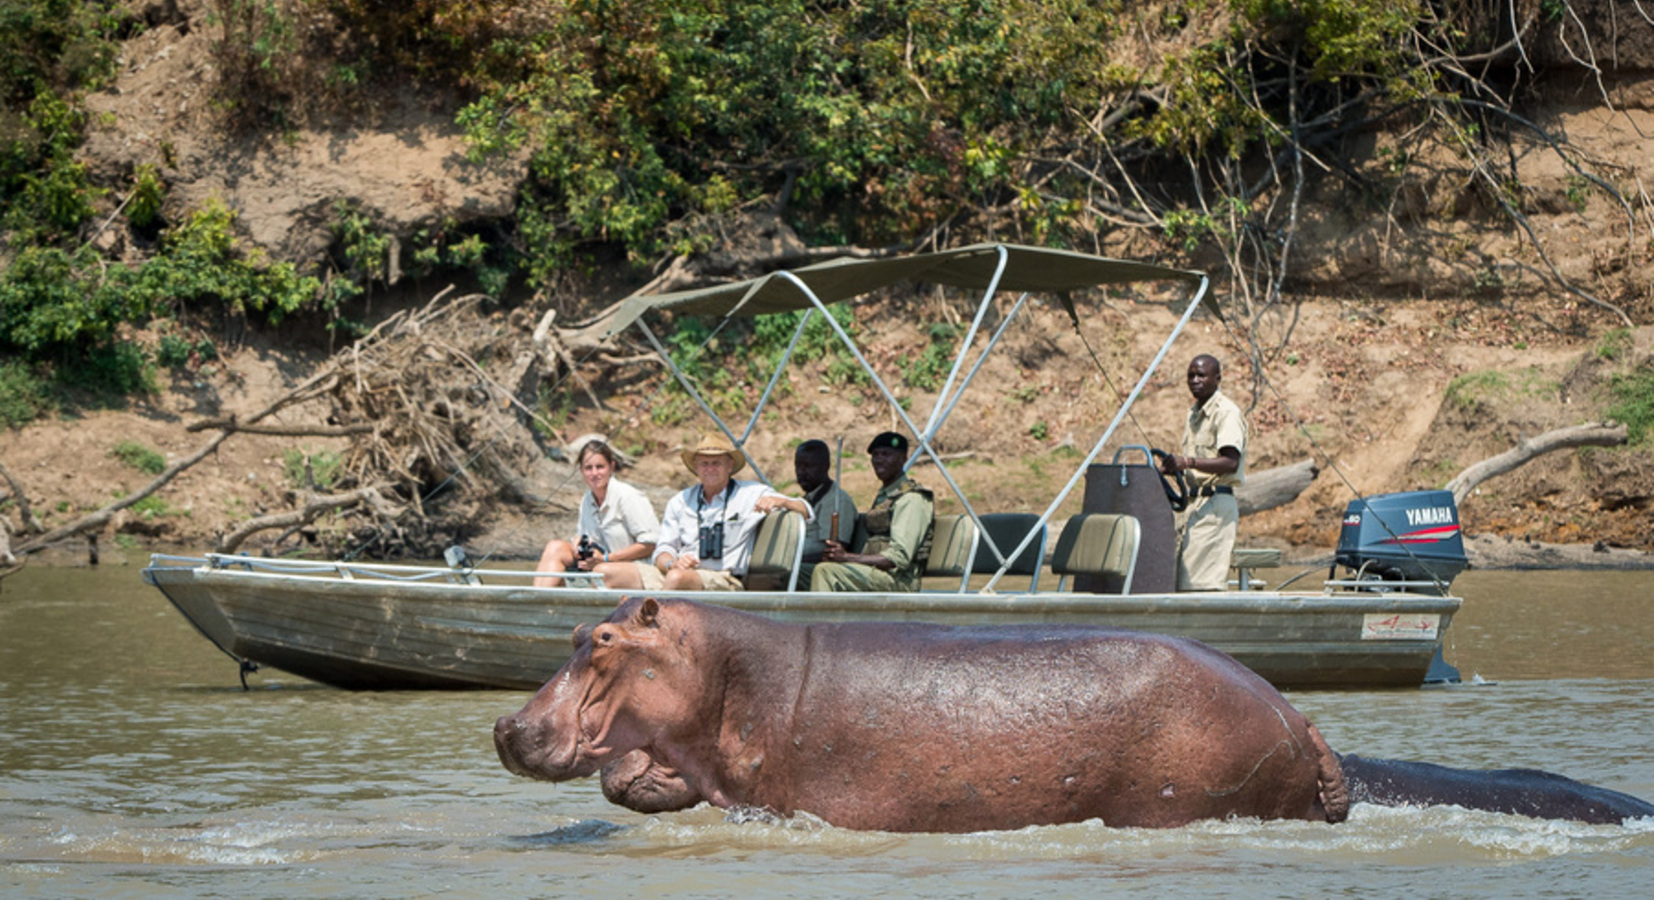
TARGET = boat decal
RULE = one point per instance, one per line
(1400, 626)
(1424, 535)
(1430, 515)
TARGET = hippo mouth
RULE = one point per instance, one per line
(525, 750)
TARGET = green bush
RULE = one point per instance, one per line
(884, 117)
(139, 457)
(23, 395)
(148, 193)
(50, 50)
(56, 305)
(927, 371)
(1632, 402)
(202, 265)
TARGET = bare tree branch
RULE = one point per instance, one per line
(1594, 435)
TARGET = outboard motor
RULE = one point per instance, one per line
(1411, 540)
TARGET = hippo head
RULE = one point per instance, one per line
(631, 683)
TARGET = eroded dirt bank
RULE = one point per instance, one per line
(1417, 339)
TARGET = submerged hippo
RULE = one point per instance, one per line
(910, 727)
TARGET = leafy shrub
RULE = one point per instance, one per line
(203, 265)
(927, 371)
(864, 109)
(771, 334)
(139, 457)
(257, 54)
(23, 395)
(176, 351)
(51, 50)
(1633, 402)
(111, 372)
(55, 304)
(148, 193)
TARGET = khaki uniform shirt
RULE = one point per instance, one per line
(1211, 426)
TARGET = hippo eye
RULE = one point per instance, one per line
(582, 634)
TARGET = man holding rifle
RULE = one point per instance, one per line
(898, 527)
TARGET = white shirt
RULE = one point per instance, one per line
(680, 526)
(625, 518)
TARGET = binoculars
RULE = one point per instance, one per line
(712, 541)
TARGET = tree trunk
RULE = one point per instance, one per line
(1599, 434)
(1275, 487)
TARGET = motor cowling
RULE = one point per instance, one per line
(1413, 536)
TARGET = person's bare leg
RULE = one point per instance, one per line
(622, 575)
(557, 557)
(683, 580)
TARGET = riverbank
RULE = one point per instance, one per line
(1391, 398)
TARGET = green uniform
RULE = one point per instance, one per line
(898, 528)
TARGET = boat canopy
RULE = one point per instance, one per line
(988, 268)
(1001, 267)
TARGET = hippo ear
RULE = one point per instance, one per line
(582, 634)
(648, 614)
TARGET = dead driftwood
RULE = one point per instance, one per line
(1599, 434)
(1275, 487)
(423, 417)
(372, 497)
(435, 402)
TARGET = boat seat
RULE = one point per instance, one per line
(952, 549)
(1244, 559)
(1103, 544)
(1008, 530)
(777, 552)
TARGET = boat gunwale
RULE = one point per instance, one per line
(1260, 602)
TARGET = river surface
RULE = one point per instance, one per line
(133, 765)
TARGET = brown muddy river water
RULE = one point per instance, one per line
(133, 765)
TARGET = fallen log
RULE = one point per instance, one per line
(1275, 487)
(314, 505)
(1597, 434)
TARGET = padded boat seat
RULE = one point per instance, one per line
(1244, 559)
(1103, 544)
(777, 552)
(952, 548)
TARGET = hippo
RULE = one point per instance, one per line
(915, 727)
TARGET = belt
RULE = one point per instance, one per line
(1211, 489)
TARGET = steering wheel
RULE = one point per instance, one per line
(1175, 486)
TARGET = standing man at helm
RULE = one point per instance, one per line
(1214, 460)
(898, 527)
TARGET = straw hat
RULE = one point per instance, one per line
(715, 444)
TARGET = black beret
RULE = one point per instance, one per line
(888, 439)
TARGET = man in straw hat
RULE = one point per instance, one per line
(707, 529)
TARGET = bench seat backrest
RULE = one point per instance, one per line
(1098, 544)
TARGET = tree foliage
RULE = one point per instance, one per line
(649, 125)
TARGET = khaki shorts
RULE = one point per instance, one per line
(715, 580)
(711, 579)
